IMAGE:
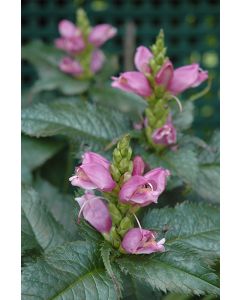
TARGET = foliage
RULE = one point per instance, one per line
(63, 117)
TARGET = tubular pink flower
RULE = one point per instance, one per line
(97, 60)
(71, 39)
(187, 77)
(141, 241)
(181, 79)
(95, 211)
(138, 166)
(101, 33)
(70, 66)
(67, 29)
(94, 173)
(134, 82)
(166, 135)
(144, 190)
(142, 59)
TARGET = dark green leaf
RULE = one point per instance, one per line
(61, 206)
(38, 225)
(194, 224)
(128, 103)
(72, 271)
(68, 116)
(183, 120)
(36, 152)
(192, 239)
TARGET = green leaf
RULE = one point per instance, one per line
(71, 271)
(46, 59)
(61, 206)
(38, 225)
(195, 225)
(207, 184)
(177, 297)
(184, 267)
(182, 163)
(183, 120)
(106, 250)
(128, 103)
(135, 289)
(35, 152)
(69, 117)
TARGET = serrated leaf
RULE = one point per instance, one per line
(72, 271)
(69, 117)
(192, 240)
(38, 224)
(35, 152)
(183, 120)
(106, 250)
(45, 59)
(135, 289)
(182, 163)
(193, 224)
(128, 103)
(207, 185)
(61, 206)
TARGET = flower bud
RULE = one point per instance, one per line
(166, 135)
(70, 66)
(115, 213)
(95, 211)
(142, 59)
(138, 166)
(97, 61)
(125, 225)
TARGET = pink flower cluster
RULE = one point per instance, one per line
(141, 190)
(73, 43)
(174, 81)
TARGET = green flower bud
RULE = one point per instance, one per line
(117, 155)
(115, 213)
(115, 172)
(114, 237)
(125, 225)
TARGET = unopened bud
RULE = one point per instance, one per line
(115, 213)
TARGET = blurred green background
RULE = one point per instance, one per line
(191, 29)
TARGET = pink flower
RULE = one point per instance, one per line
(134, 82)
(71, 39)
(94, 173)
(95, 211)
(166, 135)
(138, 166)
(97, 60)
(141, 241)
(142, 59)
(178, 80)
(70, 66)
(143, 190)
(101, 33)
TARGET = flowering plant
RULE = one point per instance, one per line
(145, 215)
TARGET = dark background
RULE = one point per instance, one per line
(191, 30)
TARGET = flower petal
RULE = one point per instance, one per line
(142, 58)
(134, 82)
(186, 77)
(101, 33)
(165, 74)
